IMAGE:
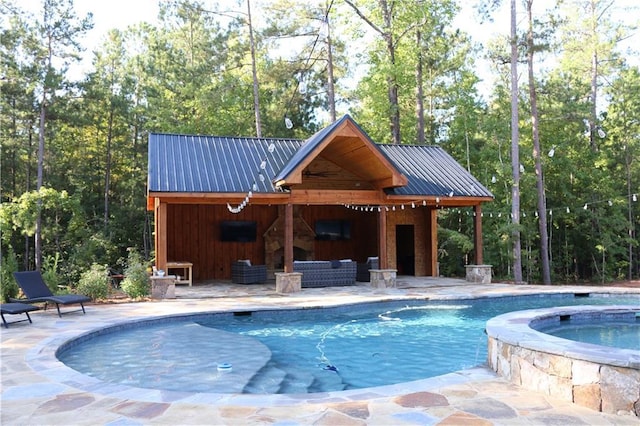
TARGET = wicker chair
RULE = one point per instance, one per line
(363, 274)
(242, 272)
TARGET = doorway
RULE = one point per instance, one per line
(405, 250)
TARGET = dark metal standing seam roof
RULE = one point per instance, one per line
(189, 163)
(430, 170)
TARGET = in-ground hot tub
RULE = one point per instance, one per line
(599, 377)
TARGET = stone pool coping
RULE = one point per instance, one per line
(602, 378)
(41, 393)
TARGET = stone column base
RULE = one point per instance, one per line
(163, 287)
(383, 278)
(479, 274)
(288, 282)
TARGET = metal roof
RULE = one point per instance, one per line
(430, 170)
(214, 164)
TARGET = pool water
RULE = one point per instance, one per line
(617, 334)
(312, 350)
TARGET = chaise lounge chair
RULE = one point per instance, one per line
(15, 309)
(36, 291)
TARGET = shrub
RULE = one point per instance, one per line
(50, 273)
(136, 282)
(8, 285)
(94, 282)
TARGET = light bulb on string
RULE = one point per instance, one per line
(255, 186)
(552, 151)
(601, 133)
(493, 179)
(271, 148)
(263, 164)
(635, 197)
(521, 168)
(288, 123)
(261, 177)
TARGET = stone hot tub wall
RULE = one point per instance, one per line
(601, 378)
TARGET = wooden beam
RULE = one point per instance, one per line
(335, 197)
(288, 238)
(382, 239)
(160, 238)
(477, 234)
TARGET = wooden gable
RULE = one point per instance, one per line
(340, 157)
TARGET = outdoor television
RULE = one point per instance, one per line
(333, 230)
(243, 231)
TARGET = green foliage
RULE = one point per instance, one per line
(8, 286)
(94, 282)
(50, 273)
(136, 283)
(454, 250)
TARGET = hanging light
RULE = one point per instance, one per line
(255, 186)
(288, 123)
(493, 179)
(552, 151)
(601, 133)
(437, 199)
(302, 87)
(521, 168)
(261, 177)
(424, 202)
(271, 148)
(402, 207)
(413, 205)
(451, 194)
(263, 164)
(635, 197)
(568, 211)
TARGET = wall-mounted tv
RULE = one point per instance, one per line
(243, 231)
(333, 230)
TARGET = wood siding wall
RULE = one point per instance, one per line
(193, 235)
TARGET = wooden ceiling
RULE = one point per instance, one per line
(346, 159)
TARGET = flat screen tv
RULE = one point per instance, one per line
(243, 231)
(333, 230)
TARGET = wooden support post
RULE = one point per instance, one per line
(288, 238)
(477, 234)
(433, 242)
(161, 234)
(382, 239)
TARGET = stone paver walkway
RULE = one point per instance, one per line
(38, 390)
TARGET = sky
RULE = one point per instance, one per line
(110, 14)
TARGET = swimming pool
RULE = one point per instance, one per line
(300, 351)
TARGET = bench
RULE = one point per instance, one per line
(326, 273)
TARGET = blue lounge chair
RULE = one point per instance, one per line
(36, 291)
(15, 309)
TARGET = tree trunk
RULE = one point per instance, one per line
(419, 92)
(256, 93)
(515, 154)
(107, 169)
(542, 201)
(330, 80)
(593, 127)
(39, 182)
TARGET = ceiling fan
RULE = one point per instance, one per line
(309, 173)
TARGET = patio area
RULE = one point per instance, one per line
(37, 389)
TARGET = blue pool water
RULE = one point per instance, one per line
(313, 350)
(617, 334)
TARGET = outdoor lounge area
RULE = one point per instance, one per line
(37, 389)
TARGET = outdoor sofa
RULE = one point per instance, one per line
(326, 273)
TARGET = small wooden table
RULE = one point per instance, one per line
(186, 277)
